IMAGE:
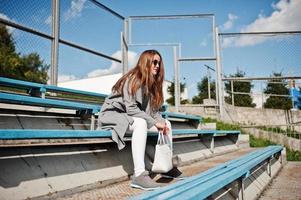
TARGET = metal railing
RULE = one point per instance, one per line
(289, 130)
(55, 37)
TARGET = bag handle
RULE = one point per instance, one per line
(160, 138)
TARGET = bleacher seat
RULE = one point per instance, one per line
(205, 184)
(37, 97)
(43, 88)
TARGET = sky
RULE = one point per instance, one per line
(83, 23)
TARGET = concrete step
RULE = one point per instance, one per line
(122, 190)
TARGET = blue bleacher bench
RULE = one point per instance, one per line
(15, 134)
(21, 134)
(28, 100)
(61, 133)
(203, 185)
(43, 88)
(87, 108)
(181, 116)
(37, 97)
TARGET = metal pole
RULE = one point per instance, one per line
(176, 84)
(208, 74)
(262, 78)
(107, 9)
(241, 189)
(232, 93)
(123, 53)
(55, 41)
(157, 17)
(216, 91)
(125, 49)
(218, 72)
(215, 55)
(262, 97)
(129, 25)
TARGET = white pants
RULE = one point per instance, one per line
(139, 136)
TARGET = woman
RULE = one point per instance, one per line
(133, 107)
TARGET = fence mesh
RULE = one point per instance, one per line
(261, 55)
(82, 22)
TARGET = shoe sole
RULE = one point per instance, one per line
(178, 178)
(143, 188)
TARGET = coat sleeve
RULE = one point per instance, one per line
(132, 108)
(158, 117)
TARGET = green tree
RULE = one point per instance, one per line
(238, 86)
(23, 67)
(9, 59)
(171, 91)
(277, 86)
(203, 91)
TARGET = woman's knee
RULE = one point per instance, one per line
(139, 122)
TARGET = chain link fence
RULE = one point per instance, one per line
(260, 57)
(89, 35)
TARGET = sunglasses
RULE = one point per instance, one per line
(156, 62)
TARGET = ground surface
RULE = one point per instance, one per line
(123, 190)
(287, 185)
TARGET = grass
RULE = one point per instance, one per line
(291, 155)
(289, 131)
(258, 142)
(221, 125)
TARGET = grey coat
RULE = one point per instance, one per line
(117, 112)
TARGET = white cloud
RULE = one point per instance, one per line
(229, 23)
(64, 78)
(48, 20)
(9, 28)
(285, 17)
(204, 43)
(115, 67)
(75, 10)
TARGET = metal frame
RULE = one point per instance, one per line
(55, 41)
(55, 37)
(250, 79)
(177, 52)
(272, 33)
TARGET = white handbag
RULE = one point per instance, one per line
(163, 155)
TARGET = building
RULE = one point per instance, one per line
(103, 84)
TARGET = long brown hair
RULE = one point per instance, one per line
(141, 76)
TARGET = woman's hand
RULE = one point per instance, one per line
(162, 127)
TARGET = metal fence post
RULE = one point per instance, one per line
(176, 84)
(124, 46)
(209, 89)
(232, 94)
(218, 75)
(55, 41)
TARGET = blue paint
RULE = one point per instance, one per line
(181, 116)
(205, 184)
(43, 133)
(37, 101)
(43, 88)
